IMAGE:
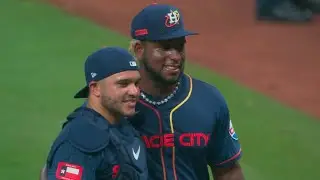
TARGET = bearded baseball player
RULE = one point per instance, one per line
(184, 122)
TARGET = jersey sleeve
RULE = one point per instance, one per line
(70, 163)
(224, 147)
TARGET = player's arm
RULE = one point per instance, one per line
(68, 162)
(233, 172)
(224, 149)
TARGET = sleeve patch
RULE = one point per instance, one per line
(67, 171)
(232, 131)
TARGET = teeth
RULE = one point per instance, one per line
(171, 67)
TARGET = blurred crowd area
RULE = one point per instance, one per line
(288, 10)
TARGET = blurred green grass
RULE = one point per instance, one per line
(43, 50)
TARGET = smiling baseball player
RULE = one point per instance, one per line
(184, 122)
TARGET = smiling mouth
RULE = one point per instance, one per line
(172, 68)
(130, 104)
(131, 101)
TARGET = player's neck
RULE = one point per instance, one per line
(156, 89)
(110, 117)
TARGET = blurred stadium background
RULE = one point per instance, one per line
(263, 55)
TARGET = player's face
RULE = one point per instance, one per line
(164, 60)
(119, 93)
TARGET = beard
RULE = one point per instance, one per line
(111, 105)
(118, 108)
(157, 76)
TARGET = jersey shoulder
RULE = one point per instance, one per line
(84, 131)
(208, 91)
(213, 98)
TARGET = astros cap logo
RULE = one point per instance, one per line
(172, 18)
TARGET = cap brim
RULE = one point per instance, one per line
(176, 34)
(83, 93)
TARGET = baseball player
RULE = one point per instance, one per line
(96, 142)
(184, 122)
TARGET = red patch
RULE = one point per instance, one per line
(115, 171)
(141, 32)
(66, 171)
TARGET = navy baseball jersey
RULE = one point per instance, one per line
(89, 148)
(189, 132)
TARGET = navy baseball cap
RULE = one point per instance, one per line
(158, 22)
(104, 63)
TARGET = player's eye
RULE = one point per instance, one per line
(123, 83)
(169, 46)
(126, 82)
(177, 44)
(166, 46)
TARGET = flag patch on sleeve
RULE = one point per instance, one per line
(67, 171)
(232, 131)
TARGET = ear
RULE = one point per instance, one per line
(138, 49)
(94, 89)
